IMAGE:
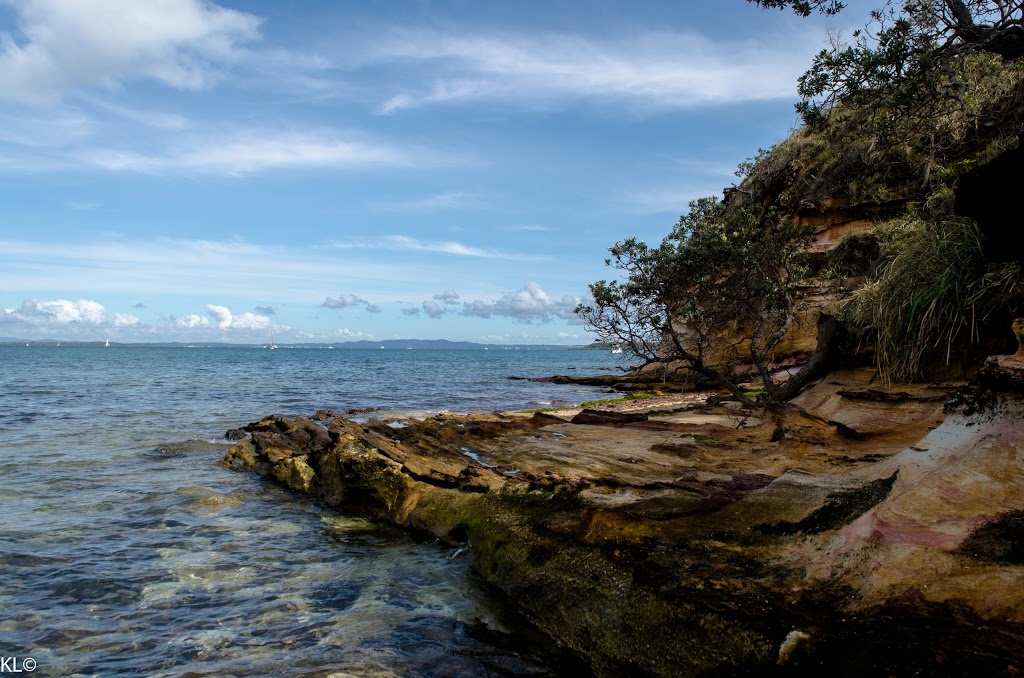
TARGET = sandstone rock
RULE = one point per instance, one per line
(607, 418)
(726, 550)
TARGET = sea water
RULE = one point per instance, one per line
(127, 549)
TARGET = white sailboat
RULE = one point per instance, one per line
(617, 349)
(272, 345)
(106, 344)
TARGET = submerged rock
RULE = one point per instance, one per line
(689, 545)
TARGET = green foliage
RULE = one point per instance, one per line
(904, 65)
(804, 7)
(723, 279)
(853, 256)
(934, 288)
(850, 160)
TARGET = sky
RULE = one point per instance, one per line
(185, 170)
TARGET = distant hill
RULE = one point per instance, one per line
(388, 344)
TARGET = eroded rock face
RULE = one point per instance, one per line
(856, 535)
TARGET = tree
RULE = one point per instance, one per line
(720, 289)
(905, 62)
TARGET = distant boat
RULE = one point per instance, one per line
(106, 344)
(617, 349)
(272, 345)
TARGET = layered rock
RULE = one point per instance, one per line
(869, 532)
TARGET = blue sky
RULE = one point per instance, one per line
(181, 170)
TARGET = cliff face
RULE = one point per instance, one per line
(849, 175)
(858, 536)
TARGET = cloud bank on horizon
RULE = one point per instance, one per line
(198, 170)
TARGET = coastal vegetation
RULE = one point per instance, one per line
(925, 95)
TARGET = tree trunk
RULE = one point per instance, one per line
(830, 331)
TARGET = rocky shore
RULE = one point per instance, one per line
(864, 531)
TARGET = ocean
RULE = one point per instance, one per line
(127, 549)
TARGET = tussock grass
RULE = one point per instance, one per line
(935, 288)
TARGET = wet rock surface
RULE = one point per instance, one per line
(692, 540)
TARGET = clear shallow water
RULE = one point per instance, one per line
(126, 549)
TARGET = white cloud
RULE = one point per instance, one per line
(46, 130)
(410, 311)
(343, 301)
(162, 120)
(250, 321)
(350, 335)
(60, 312)
(226, 320)
(66, 45)
(448, 200)
(125, 320)
(654, 69)
(529, 227)
(449, 296)
(242, 153)
(223, 269)
(84, 318)
(406, 243)
(527, 305)
(192, 320)
(673, 200)
(348, 300)
(220, 314)
(433, 309)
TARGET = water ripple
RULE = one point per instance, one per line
(126, 549)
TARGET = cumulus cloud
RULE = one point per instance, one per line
(410, 311)
(220, 314)
(449, 296)
(65, 45)
(343, 301)
(60, 312)
(433, 309)
(266, 310)
(226, 320)
(351, 335)
(125, 320)
(530, 304)
(191, 321)
(347, 300)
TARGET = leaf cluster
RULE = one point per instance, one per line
(718, 288)
(859, 155)
(904, 65)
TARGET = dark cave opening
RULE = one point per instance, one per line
(989, 195)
